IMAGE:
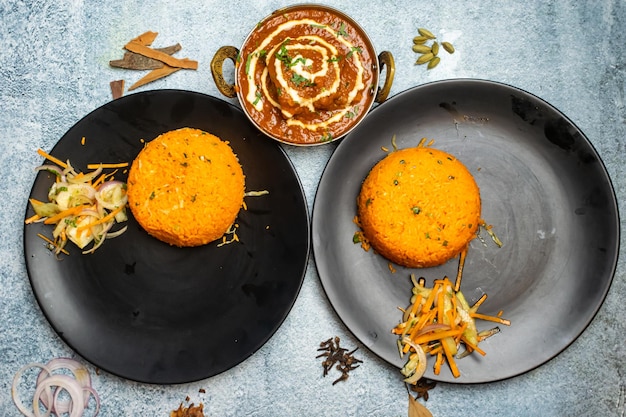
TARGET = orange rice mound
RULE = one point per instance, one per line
(419, 207)
(186, 187)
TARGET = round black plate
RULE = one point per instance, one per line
(543, 188)
(150, 312)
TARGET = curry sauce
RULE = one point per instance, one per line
(307, 75)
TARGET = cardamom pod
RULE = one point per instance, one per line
(421, 49)
(433, 62)
(427, 33)
(448, 47)
(419, 40)
(424, 58)
(435, 48)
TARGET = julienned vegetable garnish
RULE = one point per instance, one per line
(57, 376)
(438, 321)
(84, 207)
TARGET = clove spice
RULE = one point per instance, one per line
(422, 387)
(336, 356)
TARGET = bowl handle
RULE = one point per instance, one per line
(222, 54)
(385, 60)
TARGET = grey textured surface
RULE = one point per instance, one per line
(54, 69)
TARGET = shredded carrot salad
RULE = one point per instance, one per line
(83, 207)
(437, 322)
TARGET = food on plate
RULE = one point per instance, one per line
(306, 75)
(160, 61)
(63, 387)
(84, 207)
(418, 207)
(186, 187)
(437, 322)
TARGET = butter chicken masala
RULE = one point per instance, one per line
(307, 75)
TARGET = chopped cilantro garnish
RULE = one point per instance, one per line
(283, 55)
(295, 62)
(342, 30)
(248, 63)
(258, 96)
(354, 49)
(352, 113)
(298, 79)
(327, 137)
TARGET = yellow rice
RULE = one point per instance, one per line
(186, 187)
(419, 207)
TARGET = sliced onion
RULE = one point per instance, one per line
(70, 169)
(72, 175)
(16, 380)
(90, 212)
(76, 404)
(107, 185)
(91, 176)
(420, 370)
(111, 202)
(49, 386)
(103, 235)
(432, 328)
(72, 195)
(111, 235)
(81, 374)
(52, 169)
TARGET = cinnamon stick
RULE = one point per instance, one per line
(154, 75)
(117, 88)
(134, 61)
(139, 48)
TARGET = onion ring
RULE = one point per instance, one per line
(53, 169)
(420, 370)
(49, 387)
(432, 328)
(102, 195)
(111, 235)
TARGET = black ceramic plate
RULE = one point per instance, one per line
(543, 188)
(150, 312)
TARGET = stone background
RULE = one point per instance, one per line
(54, 70)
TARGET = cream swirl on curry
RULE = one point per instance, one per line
(306, 76)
